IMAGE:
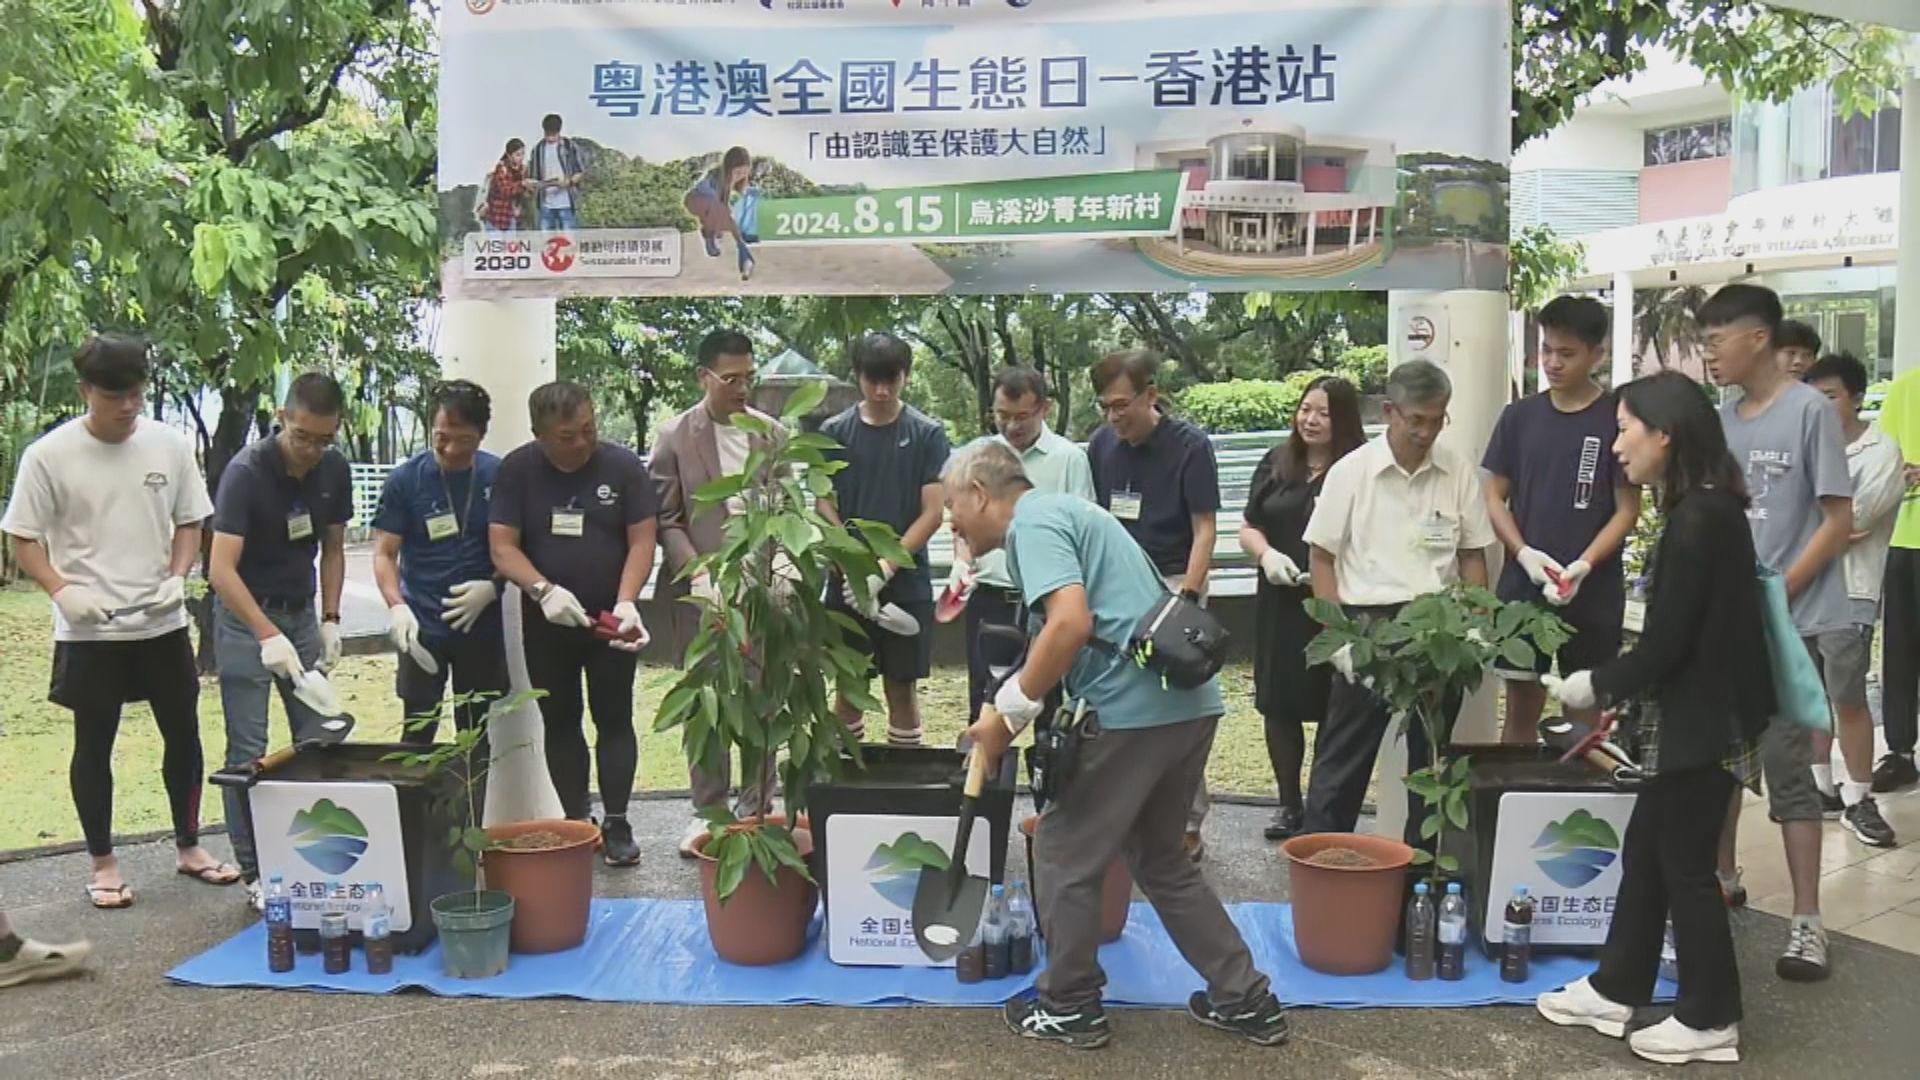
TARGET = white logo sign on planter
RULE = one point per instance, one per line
(329, 842)
(873, 868)
(1565, 848)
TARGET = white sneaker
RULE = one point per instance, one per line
(38, 960)
(1580, 1005)
(1671, 1042)
(256, 897)
(696, 829)
(1806, 957)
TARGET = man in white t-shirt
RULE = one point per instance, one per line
(106, 517)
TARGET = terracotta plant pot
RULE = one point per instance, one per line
(761, 923)
(1345, 917)
(552, 886)
(1116, 892)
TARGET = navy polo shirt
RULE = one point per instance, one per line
(1172, 476)
(611, 491)
(416, 491)
(258, 503)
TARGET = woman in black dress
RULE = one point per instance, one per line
(1288, 693)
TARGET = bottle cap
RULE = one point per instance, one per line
(999, 890)
(1453, 888)
(1519, 890)
(1420, 889)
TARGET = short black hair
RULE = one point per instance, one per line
(724, 343)
(1018, 382)
(557, 400)
(1740, 301)
(1843, 366)
(1141, 367)
(316, 393)
(1794, 334)
(881, 357)
(550, 123)
(115, 363)
(1582, 316)
(512, 145)
(464, 401)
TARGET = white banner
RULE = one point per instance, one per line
(329, 842)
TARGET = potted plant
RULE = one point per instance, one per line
(1346, 888)
(477, 925)
(761, 673)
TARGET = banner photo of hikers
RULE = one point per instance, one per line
(971, 147)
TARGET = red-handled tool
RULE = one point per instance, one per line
(607, 628)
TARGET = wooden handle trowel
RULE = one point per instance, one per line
(947, 903)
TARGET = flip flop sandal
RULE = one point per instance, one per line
(121, 897)
(218, 874)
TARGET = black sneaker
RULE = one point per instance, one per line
(1894, 772)
(1285, 825)
(1831, 804)
(1261, 1022)
(1083, 1029)
(1863, 820)
(617, 834)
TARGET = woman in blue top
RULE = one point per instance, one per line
(711, 201)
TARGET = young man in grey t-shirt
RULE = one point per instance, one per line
(1786, 439)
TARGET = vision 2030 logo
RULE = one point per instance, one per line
(328, 836)
(1576, 850)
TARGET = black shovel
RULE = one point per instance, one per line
(947, 903)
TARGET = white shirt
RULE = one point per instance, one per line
(106, 513)
(1054, 465)
(1396, 535)
(732, 445)
(553, 198)
(1875, 464)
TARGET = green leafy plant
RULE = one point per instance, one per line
(1539, 265)
(1433, 652)
(761, 672)
(462, 757)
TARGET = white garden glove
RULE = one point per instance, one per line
(329, 646)
(1014, 706)
(279, 657)
(169, 597)
(562, 608)
(80, 606)
(869, 608)
(629, 615)
(1279, 569)
(894, 620)
(403, 628)
(960, 579)
(467, 601)
(1575, 691)
(1536, 563)
(1342, 662)
(1562, 594)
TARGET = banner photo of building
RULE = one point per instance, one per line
(805, 147)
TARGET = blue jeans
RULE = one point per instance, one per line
(557, 219)
(245, 689)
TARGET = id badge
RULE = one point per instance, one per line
(1440, 534)
(442, 526)
(1126, 505)
(569, 522)
(299, 525)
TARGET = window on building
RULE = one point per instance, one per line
(1865, 144)
(1690, 142)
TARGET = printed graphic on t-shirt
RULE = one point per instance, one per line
(1589, 471)
(1764, 469)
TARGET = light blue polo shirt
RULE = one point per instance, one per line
(1058, 540)
(1054, 465)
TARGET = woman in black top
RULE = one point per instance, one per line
(1698, 683)
(1326, 427)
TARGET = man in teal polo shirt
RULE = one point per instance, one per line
(1021, 407)
(1077, 565)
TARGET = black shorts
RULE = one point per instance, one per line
(897, 659)
(1588, 648)
(109, 674)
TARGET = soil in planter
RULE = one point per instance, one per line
(538, 840)
(1339, 858)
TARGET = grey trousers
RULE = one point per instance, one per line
(245, 690)
(1131, 794)
(712, 778)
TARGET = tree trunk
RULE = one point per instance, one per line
(237, 412)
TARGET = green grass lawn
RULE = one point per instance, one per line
(36, 810)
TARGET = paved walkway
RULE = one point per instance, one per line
(126, 1021)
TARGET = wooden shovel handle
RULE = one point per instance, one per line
(976, 761)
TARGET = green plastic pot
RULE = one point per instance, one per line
(475, 931)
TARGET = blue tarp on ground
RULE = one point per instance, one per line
(656, 952)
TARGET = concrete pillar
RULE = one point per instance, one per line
(507, 346)
(1468, 341)
(1373, 223)
(1906, 285)
(1311, 222)
(1622, 328)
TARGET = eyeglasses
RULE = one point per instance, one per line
(1118, 405)
(455, 442)
(735, 381)
(310, 440)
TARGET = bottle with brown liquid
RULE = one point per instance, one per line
(971, 965)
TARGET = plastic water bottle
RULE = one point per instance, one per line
(376, 929)
(1516, 937)
(1020, 931)
(971, 965)
(1420, 934)
(1453, 934)
(279, 926)
(993, 931)
(1669, 957)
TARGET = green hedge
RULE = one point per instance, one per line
(1242, 405)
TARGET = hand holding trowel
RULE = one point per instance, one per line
(282, 660)
(947, 903)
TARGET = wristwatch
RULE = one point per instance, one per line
(330, 616)
(540, 590)
(1190, 595)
